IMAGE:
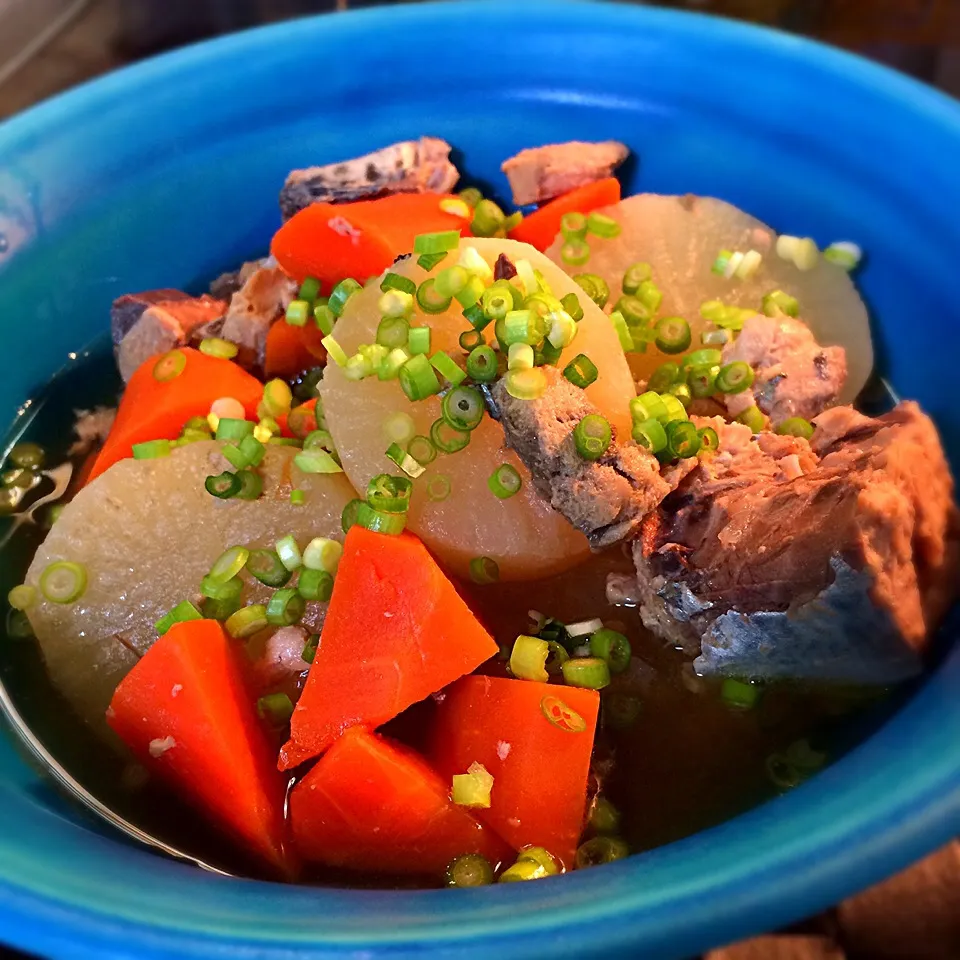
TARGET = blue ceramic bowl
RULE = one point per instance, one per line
(165, 174)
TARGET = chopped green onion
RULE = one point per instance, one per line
(395, 303)
(471, 196)
(749, 264)
(223, 607)
(297, 498)
(463, 408)
(674, 409)
(673, 335)
(389, 368)
(777, 302)
(622, 331)
(247, 621)
(484, 570)
(309, 289)
(590, 672)
(422, 450)
(321, 553)
(229, 564)
(391, 524)
(418, 343)
(592, 436)
(795, 427)
(488, 219)
(275, 708)
(324, 319)
(252, 450)
(224, 485)
(598, 851)
(702, 380)
(236, 459)
(498, 300)
(428, 261)
(447, 438)
(613, 647)
(285, 608)
(151, 449)
(181, 613)
(264, 430)
(30, 456)
(470, 339)
(707, 356)
(513, 220)
(456, 206)
(297, 313)
(439, 242)
(604, 816)
(349, 515)
(600, 225)
(594, 286)
(472, 261)
(233, 430)
(663, 377)
(581, 371)
(505, 481)
(473, 788)
(526, 277)
(277, 397)
(418, 379)
(316, 461)
(526, 384)
(231, 589)
(302, 421)
(711, 337)
(394, 281)
(289, 552)
(805, 254)
(438, 487)
(315, 585)
(267, 567)
(648, 406)
(635, 274)
(170, 366)
(562, 330)
(528, 658)
(843, 254)
(482, 364)
(310, 648)
(682, 439)
(521, 326)
(575, 252)
(22, 596)
(633, 310)
(735, 377)
(470, 292)
(447, 368)
(682, 392)
(449, 281)
(709, 440)
(399, 427)
(469, 870)
(393, 332)
(650, 295)
(650, 435)
(522, 870)
(475, 317)
(753, 418)
(573, 226)
(389, 494)
(217, 347)
(520, 356)
(739, 693)
(571, 303)
(409, 465)
(340, 294)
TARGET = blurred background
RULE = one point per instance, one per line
(48, 45)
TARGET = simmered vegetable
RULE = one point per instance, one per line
(372, 804)
(540, 228)
(186, 713)
(392, 602)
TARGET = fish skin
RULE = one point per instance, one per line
(412, 166)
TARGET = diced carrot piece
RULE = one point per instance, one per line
(290, 350)
(372, 804)
(536, 740)
(153, 409)
(396, 631)
(541, 227)
(186, 713)
(333, 241)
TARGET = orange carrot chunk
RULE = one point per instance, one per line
(165, 391)
(396, 631)
(536, 740)
(332, 241)
(185, 712)
(541, 227)
(372, 804)
(290, 350)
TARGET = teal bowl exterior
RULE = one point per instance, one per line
(168, 172)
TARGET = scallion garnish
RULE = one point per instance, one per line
(520, 356)
(573, 226)
(297, 313)
(170, 366)
(438, 487)
(316, 461)
(275, 708)
(324, 318)
(463, 407)
(277, 398)
(310, 648)
(484, 570)
(439, 242)
(634, 275)
(349, 515)
(600, 225)
(447, 438)
(709, 440)
(447, 367)
(181, 613)
(777, 302)
(575, 252)
(488, 219)
(470, 339)
(843, 254)
(315, 585)
(613, 647)
(526, 384)
(217, 347)
(594, 286)
(482, 364)
(427, 261)
(528, 658)
(267, 567)
(571, 303)
(22, 596)
(795, 427)
(469, 870)
(650, 295)
(321, 553)
(735, 377)
(334, 351)
(340, 294)
(391, 524)
(592, 436)
(422, 450)
(389, 494)
(600, 850)
(650, 435)
(247, 621)
(740, 694)
(229, 564)
(410, 466)
(289, 552)
(622, 331)
(392, 332)
(471, 196)
(395, 303)
(285, 608)
(682, 439)
(633, 310)
(681, 391)
(224, 485)
(505, 481)
(661, 378)
(151, 449)
(418, 341)
(394, 281)
(418, 379)
(590, 672)
(702, 380)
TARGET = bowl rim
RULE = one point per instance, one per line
(821, 867)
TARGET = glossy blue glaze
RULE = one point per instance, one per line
(167, 173)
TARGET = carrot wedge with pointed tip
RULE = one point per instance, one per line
(541, 227)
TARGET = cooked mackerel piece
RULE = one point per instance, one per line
(413, 166)
(828, 561)
(542, 173)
